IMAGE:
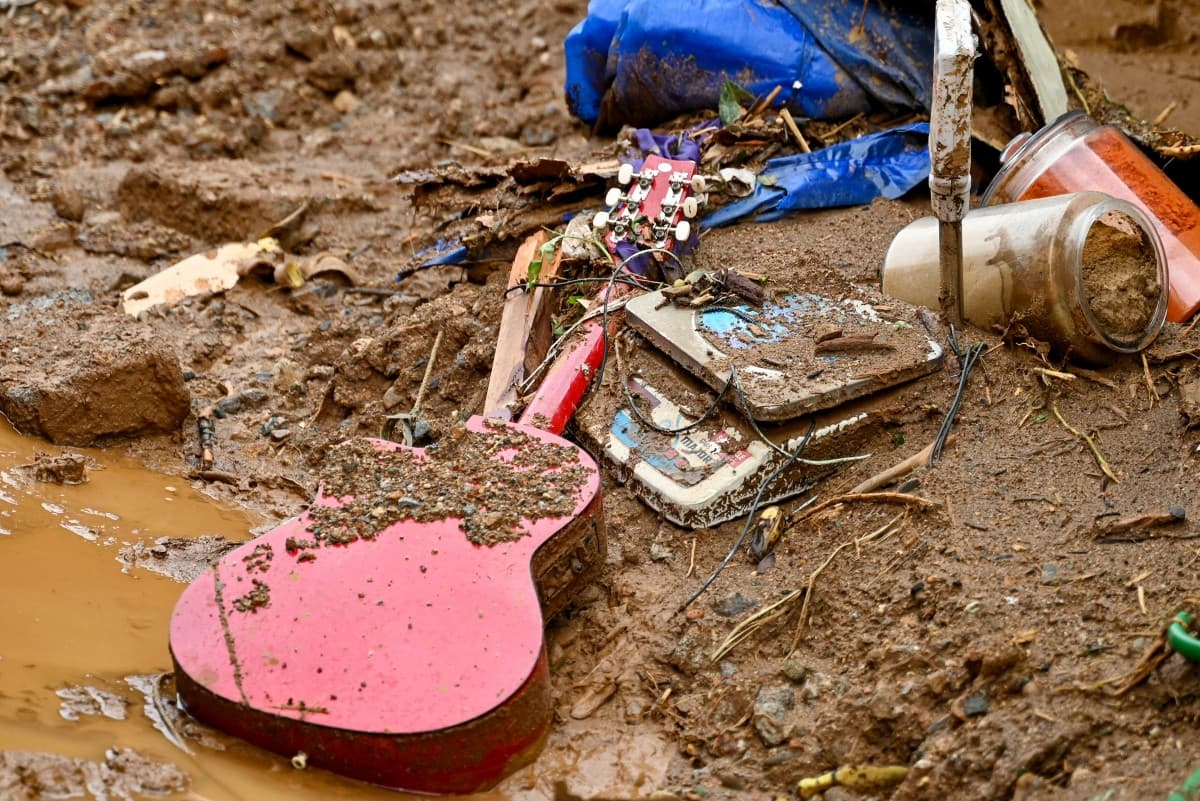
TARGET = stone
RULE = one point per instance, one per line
(975, 705)
(794, 669)
(68, 201)
(77, 374)
(770, 708)
(734, 605)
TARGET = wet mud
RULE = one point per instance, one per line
(972, 639)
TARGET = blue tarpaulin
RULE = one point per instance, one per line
(642, 62)
(888, 164)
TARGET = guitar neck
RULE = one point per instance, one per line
(567, 381)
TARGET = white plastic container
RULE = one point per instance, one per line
(1085, 272)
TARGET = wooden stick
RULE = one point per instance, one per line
(875, 497)
(1100, 460)
(765, 103)
(795, 129)
(899, 470)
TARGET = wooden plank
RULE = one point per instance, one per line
(540, 316)
(1041, 64)
(508, 363)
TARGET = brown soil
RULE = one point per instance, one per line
(487, 480)
(1119, 272)
(969, 642)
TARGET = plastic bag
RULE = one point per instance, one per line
(640, 62)
(887, 164)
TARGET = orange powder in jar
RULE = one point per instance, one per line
(1074, 154)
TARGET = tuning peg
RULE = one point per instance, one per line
(699, 183)
(613, 197)
(625, 174)
(683, 231)
(600, 221)
(690, 207)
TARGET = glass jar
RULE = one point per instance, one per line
(1075, 154)
(1085, 272)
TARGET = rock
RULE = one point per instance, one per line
(68, 201)
(794, 669)
(1049, 573)
(690, 653)
(346, 101)
(76, 374)
(12, 284)
(734, 605)
(229, 405)
(770, 708)
(975, 705)
(332, 72)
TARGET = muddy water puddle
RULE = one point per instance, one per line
(84, 628)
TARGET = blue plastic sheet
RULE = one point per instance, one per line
(887, 164)
(642, 62)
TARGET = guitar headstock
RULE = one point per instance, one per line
(655, 210)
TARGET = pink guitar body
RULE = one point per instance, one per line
(414, 660)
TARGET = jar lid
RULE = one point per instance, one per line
(1027, 155)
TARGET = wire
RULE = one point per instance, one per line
(569, 282)
(608, 291)
(966, 362)
(750, 515)
(653, 426)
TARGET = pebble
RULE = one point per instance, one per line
(253, 397)
(774, 701)
(229, 405)
(734, 605)
(12, 284)
(281, 434)
(795, 670)
(68, 202)
(975, 705)
(1049, 573)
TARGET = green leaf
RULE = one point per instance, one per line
(768, 180)
(729, 106)
(535, 264)
(1040, 417)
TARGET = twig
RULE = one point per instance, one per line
(808, 591)
(1179, 151)
(879, 532)
(839, 128)
(1100, 460)
(755, 622)
(1166, 112)
(765, 103)
(795, 129)
(1054, 374)
(876, 497)
(692, 561)
(1087, 109)
(882, 479)
(437, 343)
(1149, 381)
